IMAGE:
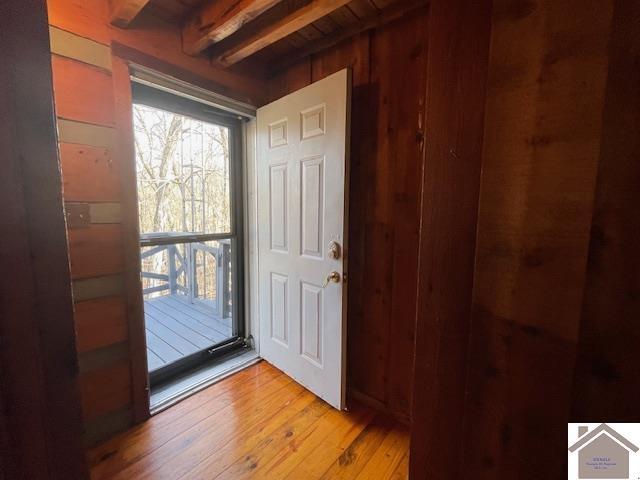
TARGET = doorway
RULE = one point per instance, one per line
(188, 171)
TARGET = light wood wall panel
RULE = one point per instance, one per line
(96, 251)
(105, 390)
(90, 174)
(100, 322)
(85, 106)
(82, 92)
(388, 66)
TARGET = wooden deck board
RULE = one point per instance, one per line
(208, 320)
(176, 328)
(178, 342)
(256, 424)
(203, 307)
(161, 348)
(159, 312)
(153, 361)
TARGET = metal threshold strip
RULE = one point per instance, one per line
(173, 391)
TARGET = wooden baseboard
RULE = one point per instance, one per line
(375, 404)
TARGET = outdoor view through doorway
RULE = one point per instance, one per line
(185, 186)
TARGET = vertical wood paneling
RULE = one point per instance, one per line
(459, 34)
(607, 380)
(40, 412)
(402, 51)
(547, 74)
(133, 285)
(384, 187)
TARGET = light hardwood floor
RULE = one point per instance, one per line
(256, 424)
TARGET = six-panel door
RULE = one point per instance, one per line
(301, 171)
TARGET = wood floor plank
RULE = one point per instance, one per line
(386, 458)
(257, 424)
(402, 470)
(314, 465)
(242, 445)
(126, 449)
(211, 433)
(251, 466)
(334, 424)
(351, 462)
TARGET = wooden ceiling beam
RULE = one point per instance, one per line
(123, 12)
(394, 12)
(269, 34)
(217, 20)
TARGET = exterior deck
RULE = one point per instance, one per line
(177, 327)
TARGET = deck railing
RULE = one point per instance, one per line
(184, 271)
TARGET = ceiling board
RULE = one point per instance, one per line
(337, 23)
(363, 8)
(326, 25)
(343, 16)
(382, 4)
(310, 32)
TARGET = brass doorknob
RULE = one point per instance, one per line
(332, 277)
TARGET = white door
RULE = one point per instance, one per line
(301, 172)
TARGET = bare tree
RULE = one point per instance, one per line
(183, 178)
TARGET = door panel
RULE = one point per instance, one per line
(302, 146)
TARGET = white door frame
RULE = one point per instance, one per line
(252, 294)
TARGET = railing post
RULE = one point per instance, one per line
(226, 290)
(191, 271)
(173, 277)
(219, 283)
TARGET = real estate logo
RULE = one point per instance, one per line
(602, 451)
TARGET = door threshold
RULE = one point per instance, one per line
(171, 392)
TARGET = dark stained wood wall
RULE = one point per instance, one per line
(40, 416)
(553, 328)
(542, 140)
(389, 70)
(607, 379)
(459, 33)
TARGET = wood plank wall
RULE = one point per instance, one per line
(543, 129)
(607, 379)
(97, 176)
(459, 33)
(389, 69)
(554, 335)
(40, 417)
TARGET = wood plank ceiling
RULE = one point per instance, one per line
(262, 36)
